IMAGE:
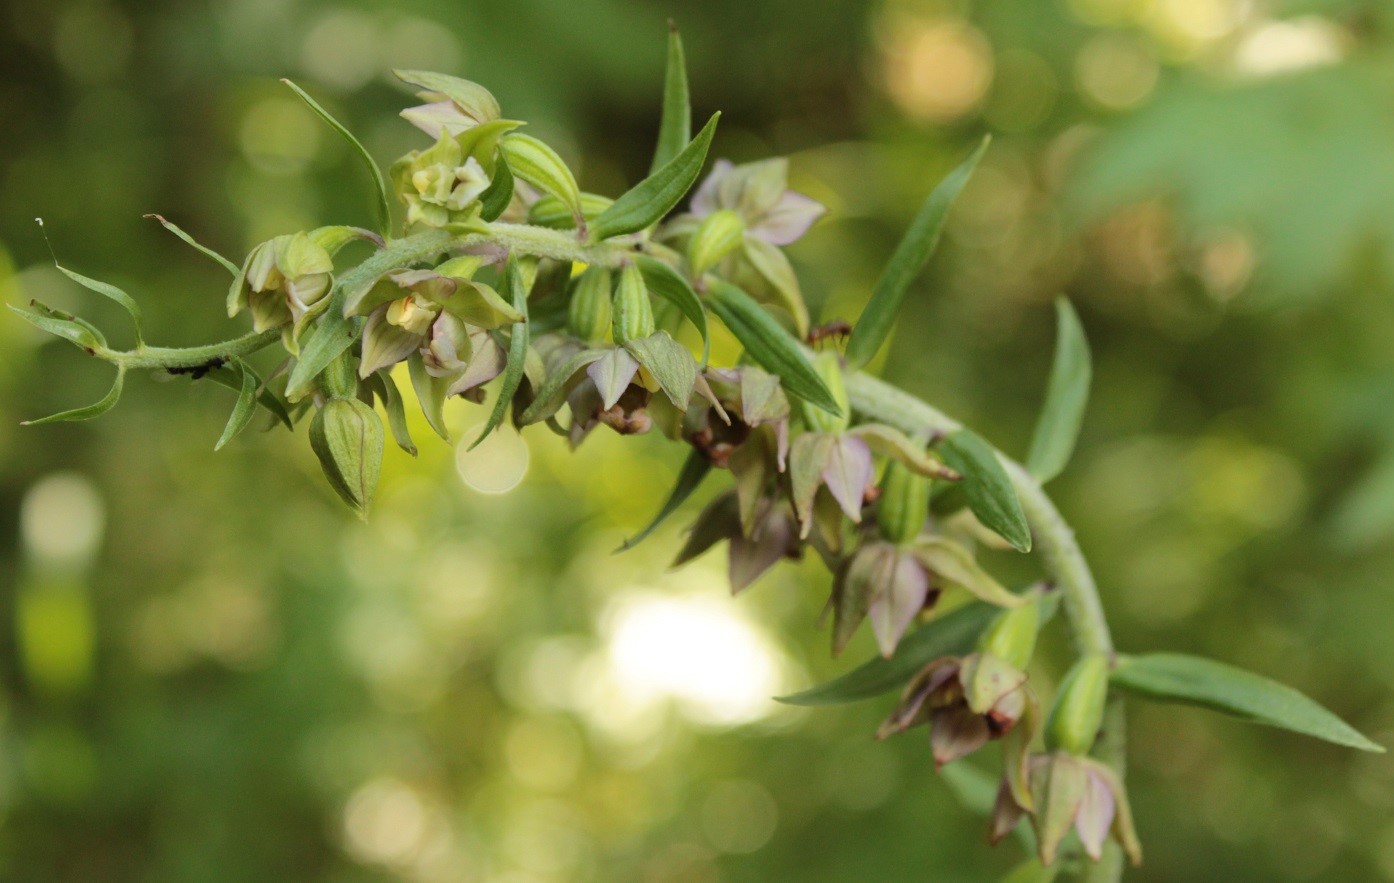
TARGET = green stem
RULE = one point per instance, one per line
(559, 245)
(1062, 558)
(189, 357)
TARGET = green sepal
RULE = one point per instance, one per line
(384, 212)
(539, 165)
(430, 393)
(517, 352)
(665, 282)
(987, 487)
(558, 384)
(382, 385)
(496, 197)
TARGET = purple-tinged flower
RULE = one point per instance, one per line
(1069, 792)
(759, 193)
(966, 703)
(771, 537)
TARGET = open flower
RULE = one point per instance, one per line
(441, 312)
(771, 535)
(966, 702)
(1069, 792)
(287, 280)
(441, 184)
(759, 194)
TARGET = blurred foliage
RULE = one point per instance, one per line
(211, 674)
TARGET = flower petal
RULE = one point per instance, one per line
(848, 473)
(385, 344)
(1095, 816)
(895, 606)
(954, 732)
(612, 374)
(704, 199)
(788, 219)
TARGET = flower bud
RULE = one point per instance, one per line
(829, 368)
(347, 436)
(1012, 635)
(633, 312)
(904, 503)
(719, 234)
(1079, 707)
(588, 312)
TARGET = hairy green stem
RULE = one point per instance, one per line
(189, 357)
(1060, 553)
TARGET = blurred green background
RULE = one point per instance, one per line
(212, 672)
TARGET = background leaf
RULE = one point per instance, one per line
(1194, 680)
(909, 257)
(675, 127)
(517, 353)
(1066, 397)
(384, 210)
(655, 196)
(694, 469)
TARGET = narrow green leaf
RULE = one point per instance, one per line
(987, 487)
(559, 383)
(1193, 680)
(665, 282)
(203, 249)
(245, 408)
(226, 376)
(495, 199)
(949, 635)
(694, 469)
(655, 196)
(108, 291)
(385, 387)
(1066, 397)
(384, 212)
(517, 352)
(770, 345)
(95, 409)
(909, 258)
(675, 127)
(60, 324)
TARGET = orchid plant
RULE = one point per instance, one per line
(503, 273)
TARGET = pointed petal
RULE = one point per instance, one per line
(895, 607)
(384, 344)
(1057, 787)
(750, 558)
(485, 364)
(704, 199)
(438, 117)
(789, 218)
(808, 457)
(1095, 816)
(1006, 814)
(955, 565)
(848, 473)
(612, 374)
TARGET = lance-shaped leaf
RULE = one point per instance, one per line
(559, 383)
(60, 324)
(1066, 397)
(665, 282)
(1193, 680)
(675, 126)
(694, 469)
(96, 409)
(496, 197)
(652, 198)
(108, 291)
(385, 387)
(225, 375)
(909, 258)
(770, 345)
(535, 162)
(952, 634)
(517, 352)
(668, 362)
(196, 245)
(384, 213)
(985, 484)
(245, 408)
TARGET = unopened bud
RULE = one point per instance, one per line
(347, 437)
(829, 368)
(904, 503)
(588, 312)
(1012, 635)
(633, 316)
(1079, 707)
(719, 234)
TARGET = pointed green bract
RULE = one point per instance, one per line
(494, 201)
(694, 469)
(96, 409)
(1193, 680)
(245, 408)
(225, 375)
(385, 388)
(60, 324)
(517, 352)
(909, 258)
(384, 211)
(665, 282)
(987, 487)
(554, 390)
(770, 345)
(1066, 397)
(328, 338)
(655, 196)
(108, 291)
(430, 394)
(196, 245)
(675, 127)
